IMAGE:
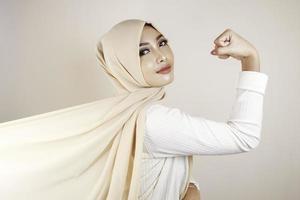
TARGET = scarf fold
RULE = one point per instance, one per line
(88, 151)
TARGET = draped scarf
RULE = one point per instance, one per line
(88, 151)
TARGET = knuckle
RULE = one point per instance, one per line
(218, 41)
(228, 30)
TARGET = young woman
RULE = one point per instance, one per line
(94, 151)
(172, 135)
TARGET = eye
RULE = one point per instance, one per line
(142, 52)
(164, 42)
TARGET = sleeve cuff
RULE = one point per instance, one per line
(253, 80)
(192, 180)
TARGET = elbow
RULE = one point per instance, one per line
(248, 137)
(250, 143)
(253, 144)
(256, 145)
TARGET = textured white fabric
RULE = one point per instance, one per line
(171, 135)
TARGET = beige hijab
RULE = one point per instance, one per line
(89, 151)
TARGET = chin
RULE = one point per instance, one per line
(161, 80)
(165, 83)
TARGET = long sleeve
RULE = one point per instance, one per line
(172, 132)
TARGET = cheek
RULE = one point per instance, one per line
(148, 65)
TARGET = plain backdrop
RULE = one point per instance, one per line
(48, 62)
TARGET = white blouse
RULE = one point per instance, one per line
(172, 134)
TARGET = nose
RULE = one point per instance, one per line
(161, 58)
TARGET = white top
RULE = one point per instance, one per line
(171, 135)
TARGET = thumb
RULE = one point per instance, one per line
(222, 50)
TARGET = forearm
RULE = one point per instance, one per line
(251, 62)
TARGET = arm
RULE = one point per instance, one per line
(173, 132)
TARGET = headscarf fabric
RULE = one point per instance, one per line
(90, 151)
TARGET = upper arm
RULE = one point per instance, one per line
(173, 132)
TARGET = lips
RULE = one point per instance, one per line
(164, 69)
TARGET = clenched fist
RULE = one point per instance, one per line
(231, 44)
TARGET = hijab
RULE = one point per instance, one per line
(88, 151)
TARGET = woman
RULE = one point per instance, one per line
(95, 150)
(172, 135)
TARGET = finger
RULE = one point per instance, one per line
(224, 56)
(224, 39)
(222, 51)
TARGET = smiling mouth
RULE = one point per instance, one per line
(165, 70)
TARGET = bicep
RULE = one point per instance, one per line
(172, 132)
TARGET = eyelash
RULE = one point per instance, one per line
(142, 50)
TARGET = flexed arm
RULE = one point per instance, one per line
(173, 132)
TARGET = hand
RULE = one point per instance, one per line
(192, 193)
(231, 44)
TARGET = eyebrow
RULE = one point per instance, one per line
(145, 43)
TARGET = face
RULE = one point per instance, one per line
(156, 54)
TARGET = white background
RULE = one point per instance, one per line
(48, 61)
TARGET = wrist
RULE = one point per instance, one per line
(251, 62)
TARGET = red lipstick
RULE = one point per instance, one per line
(164, 70)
